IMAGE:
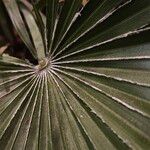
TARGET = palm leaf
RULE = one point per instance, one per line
(91, 87)
(19, 25)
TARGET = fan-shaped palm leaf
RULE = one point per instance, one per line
(91, 87)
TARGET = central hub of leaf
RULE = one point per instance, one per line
(43, 63)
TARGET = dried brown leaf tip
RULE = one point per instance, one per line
(61, 1)
(3, 48)
(84, 2)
